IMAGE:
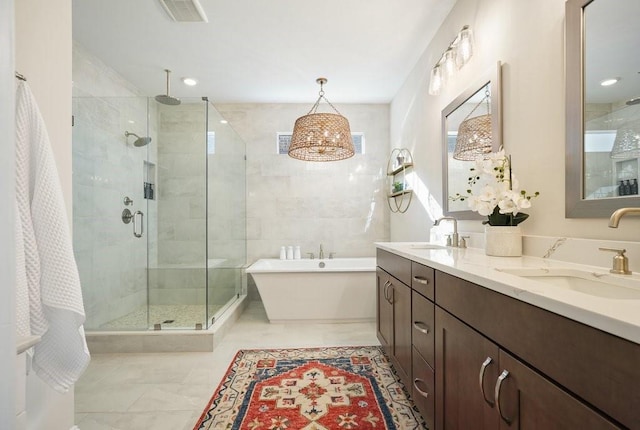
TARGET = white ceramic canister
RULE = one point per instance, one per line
(503, 241)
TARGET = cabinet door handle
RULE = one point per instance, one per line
(483, 369)
(504, 375)
(421, 327)
(390, 299)
(386, 291)
(415, 385)
(421, 280)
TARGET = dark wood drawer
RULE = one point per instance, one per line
(423, 279)
(423, 389)
(422, 328)
(397, 266)
(596, 366)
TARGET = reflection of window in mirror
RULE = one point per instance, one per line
(611, 99)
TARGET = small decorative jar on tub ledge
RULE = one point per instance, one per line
(503, 241)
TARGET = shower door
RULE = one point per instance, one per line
(111, 208)
(178, 259)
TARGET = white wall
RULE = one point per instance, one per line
(43, 55)
(528, 37)
(7, 190)
(291, 202)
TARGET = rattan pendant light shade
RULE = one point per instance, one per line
(321, 136)
(627, 141)
(475, 140)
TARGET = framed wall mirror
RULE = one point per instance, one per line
(471, 127)
(602, 151)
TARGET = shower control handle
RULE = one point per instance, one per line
(126, 216)
(135, 229)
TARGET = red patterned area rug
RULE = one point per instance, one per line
(310, 389)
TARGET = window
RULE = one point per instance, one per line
(283, 140)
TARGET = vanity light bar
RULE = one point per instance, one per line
(452, 59)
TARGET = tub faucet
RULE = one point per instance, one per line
(454, 236)
(321, 254)
(619, 213)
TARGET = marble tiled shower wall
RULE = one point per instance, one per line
(291, 202)
(106, 168)
(182, 184)
(201, 196)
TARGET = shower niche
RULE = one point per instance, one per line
(149, 184)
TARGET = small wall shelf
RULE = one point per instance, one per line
(399, 195)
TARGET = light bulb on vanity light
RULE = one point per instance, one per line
(435, 82)
(449, 64)
(464, 48)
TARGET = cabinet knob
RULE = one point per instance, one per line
(483, 369)
(504, 375)
(421, 280)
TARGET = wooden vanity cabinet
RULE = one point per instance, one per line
(384, 312)
(423, 340)
(462, 350)
(394, 311)
(566, 375)
(405, 325)
(476, 375)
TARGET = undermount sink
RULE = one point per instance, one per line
(426, 246)
(595, 284)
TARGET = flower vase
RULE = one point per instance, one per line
(503, 241)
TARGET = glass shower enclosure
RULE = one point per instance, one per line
(159, 212)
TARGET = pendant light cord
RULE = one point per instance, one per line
(321, 96)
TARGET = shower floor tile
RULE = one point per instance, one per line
(169, 316)
(168, 391)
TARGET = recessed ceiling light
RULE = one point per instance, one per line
(189, 81)
(131, 121)
(608, 82)
(223, 121)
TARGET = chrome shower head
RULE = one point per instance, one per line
(166, 99)
(140, 141)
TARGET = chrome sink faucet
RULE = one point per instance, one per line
(321, 254)
(619, 213)
(454, 237)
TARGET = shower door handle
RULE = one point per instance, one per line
(135, 225)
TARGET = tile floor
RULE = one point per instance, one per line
(169, 391)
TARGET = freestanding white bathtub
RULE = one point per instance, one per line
(328, 290)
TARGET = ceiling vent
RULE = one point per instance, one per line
(184, 10)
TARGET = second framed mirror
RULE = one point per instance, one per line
(471, 128)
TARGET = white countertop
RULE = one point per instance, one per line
(620, 317)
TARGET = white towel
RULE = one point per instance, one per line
(53, 284)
